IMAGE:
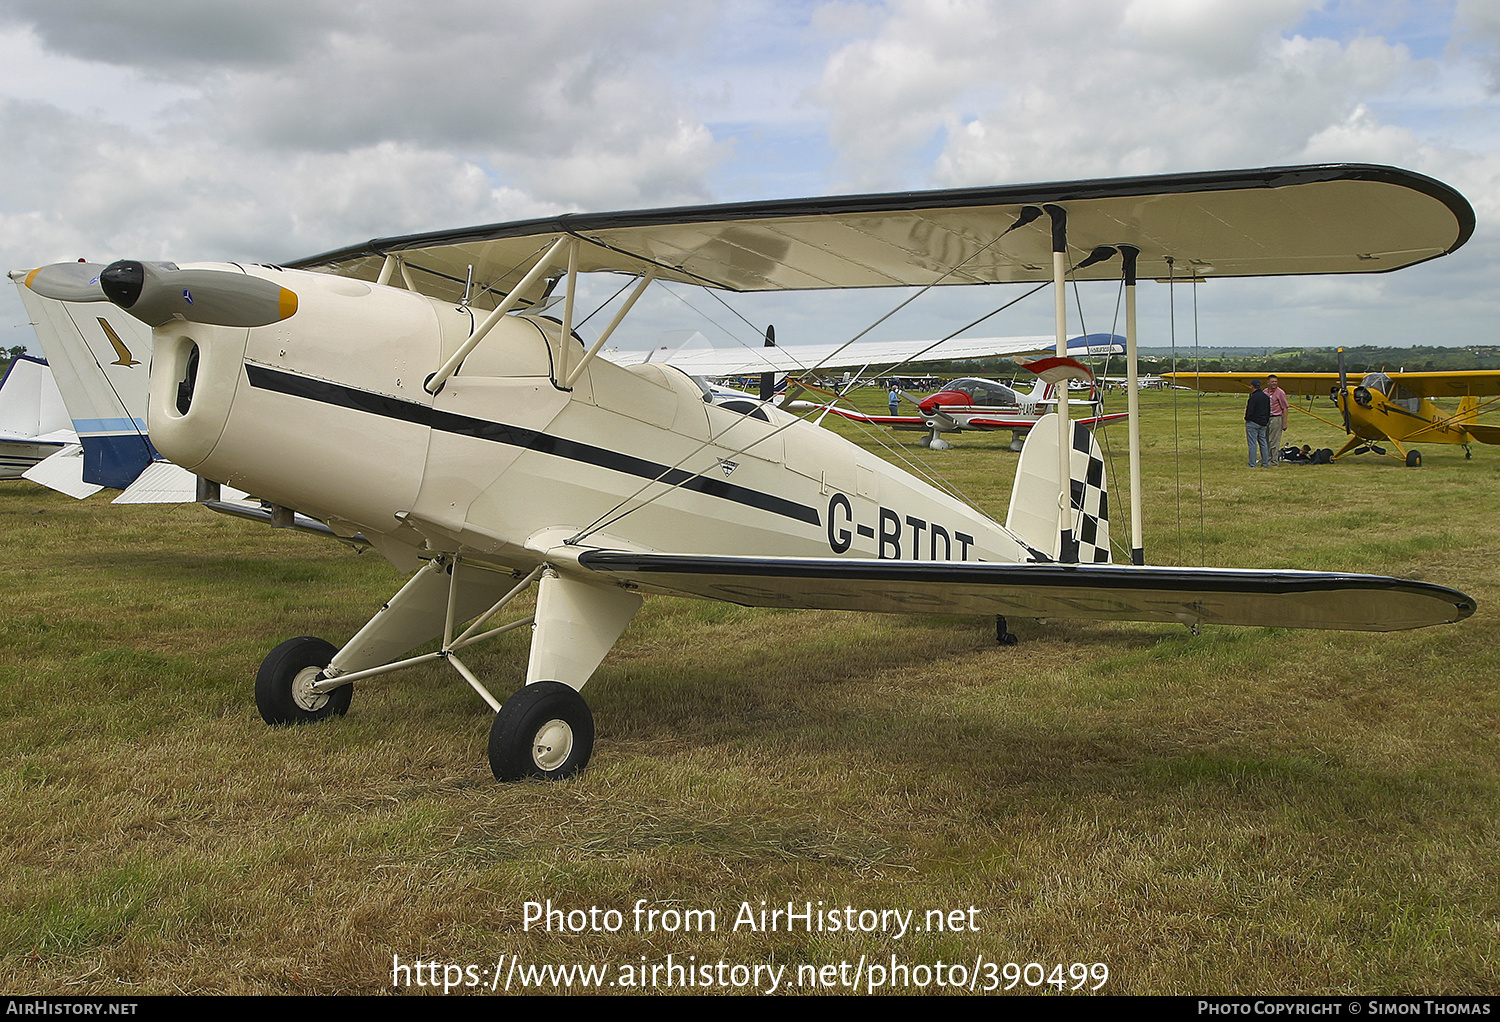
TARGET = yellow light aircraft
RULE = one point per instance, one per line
(1393, 407)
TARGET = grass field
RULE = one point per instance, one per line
(1246, 810)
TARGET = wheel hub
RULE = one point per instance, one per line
(552, 744)
(303, 692)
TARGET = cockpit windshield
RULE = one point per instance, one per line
(986, 392)
(1394, 392)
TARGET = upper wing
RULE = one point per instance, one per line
(1308, 384)
(1286, 599)
(1336, 218)
(1475, 382)
(794, 358)
(1305, 384)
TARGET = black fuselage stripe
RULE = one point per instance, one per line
(339, 395)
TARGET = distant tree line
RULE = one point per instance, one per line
(8, 355)
(1363, 359)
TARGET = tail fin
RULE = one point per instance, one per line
(1034, 514)
(1468, 412)
(30, 405)
(100, 366)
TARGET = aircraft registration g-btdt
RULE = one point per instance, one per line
(388, 389)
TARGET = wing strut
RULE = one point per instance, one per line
(563, 375)
(598, 345)
(1133, 406)
(1128, 255)
(448, 368)
(1068, 551)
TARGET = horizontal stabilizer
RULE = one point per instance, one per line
(63, 472)
(1484, 434)
(1191, 596)
(165, 483)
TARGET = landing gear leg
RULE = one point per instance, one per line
(1003, 635)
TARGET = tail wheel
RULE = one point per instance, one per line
(544, 730)
(283, 685)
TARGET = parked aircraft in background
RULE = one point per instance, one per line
(486, 452)
(972, 403)
(34, 423)
(692, 355)
(1395, 407)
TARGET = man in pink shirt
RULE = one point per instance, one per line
(1279, 409)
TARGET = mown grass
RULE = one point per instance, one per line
(1246, 810)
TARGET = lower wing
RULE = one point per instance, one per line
(1191, 596)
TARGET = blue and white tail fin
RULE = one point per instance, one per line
(1034, 498)
(100, 360)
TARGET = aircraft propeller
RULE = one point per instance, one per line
(68, 282)
(768, 380)
(1344, 393)
(157, 293)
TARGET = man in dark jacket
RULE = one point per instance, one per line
(1257, 418)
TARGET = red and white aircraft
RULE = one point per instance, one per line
(486, 452)
(974, 403)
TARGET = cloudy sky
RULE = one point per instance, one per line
(195, 129)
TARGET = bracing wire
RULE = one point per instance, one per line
(602, 305)
(1117, 544)
(619, 510)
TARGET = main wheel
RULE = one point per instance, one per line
(283, 685)
(544, 730)
(1413, 459)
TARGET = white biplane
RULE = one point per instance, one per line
(400, 389)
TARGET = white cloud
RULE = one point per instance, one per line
(195, 129)
(1032, 92)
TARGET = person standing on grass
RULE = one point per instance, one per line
(1257, 419)
(1279, 408)
(895, 400)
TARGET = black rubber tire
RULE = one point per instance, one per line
(275, 684)
(526, 740)
(1413, 459)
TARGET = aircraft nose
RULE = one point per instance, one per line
(157, 293)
